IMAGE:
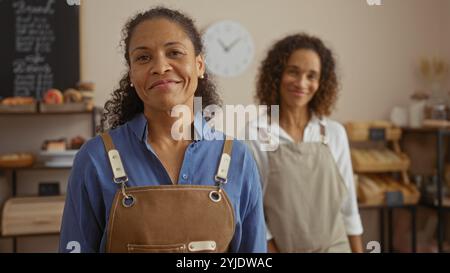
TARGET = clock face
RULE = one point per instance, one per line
(229, 48)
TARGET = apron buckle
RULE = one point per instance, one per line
(215, 196)
(121, 180)
(128, 201)
(220, 180)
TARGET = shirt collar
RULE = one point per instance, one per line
(139, 127)
(316, 120)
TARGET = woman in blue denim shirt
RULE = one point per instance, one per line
(166, 68)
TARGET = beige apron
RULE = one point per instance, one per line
(172, 218)
(303, 199)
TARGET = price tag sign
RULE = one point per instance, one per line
(394, 198)
(377, 134)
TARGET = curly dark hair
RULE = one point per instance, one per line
(272, 69)
(125, 103)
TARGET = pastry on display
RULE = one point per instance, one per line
(12, 101)
(53, 96)
(72, 96)
(57, 145)
(72, 100)
(86, 86)
(369, 191)
(378, 160)
(76, 142)
(373, 188)
(375, 156)
(18, 105)
(16, 160)
(87, 92)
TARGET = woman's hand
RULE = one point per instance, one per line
(356, 243)
(272, 247)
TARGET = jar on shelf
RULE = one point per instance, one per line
(416, 109)
(437, 105)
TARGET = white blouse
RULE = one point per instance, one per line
(336, 137)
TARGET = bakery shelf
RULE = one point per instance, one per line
(366, 131)
(39, 166)
(373, 190)
(42, 108)
(375, 167)
(434, 203)
(17, 109)
(376, 161)
(18, 113)
(36, 216)
(32, 215)
(63, 108)
(439, 201)
(381, 206)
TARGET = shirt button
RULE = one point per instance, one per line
(185, 176)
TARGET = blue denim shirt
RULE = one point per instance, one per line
(91, 189)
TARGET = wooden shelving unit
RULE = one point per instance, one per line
(439, 202)
(39, 215)
(375, 167)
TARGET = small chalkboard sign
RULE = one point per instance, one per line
(394, 198)
(39, 48)
(49, 189)
(377, 134)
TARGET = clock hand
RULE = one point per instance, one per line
(224, 47)
(233, 44)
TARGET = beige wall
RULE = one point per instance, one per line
(377, 46)
(446, 28)
(377, 49)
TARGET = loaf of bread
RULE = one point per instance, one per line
(57, 145)
(11, 101)
(76, 142)
(16, 156)
(374, 156)
(72, 96)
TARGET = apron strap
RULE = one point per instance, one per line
(119, 170)
(114, 159)
(323, 135)
(222, 170)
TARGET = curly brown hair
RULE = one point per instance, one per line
(273, 66)
(125, 103)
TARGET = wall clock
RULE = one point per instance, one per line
(229, 48)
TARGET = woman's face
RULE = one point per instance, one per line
(163, 66)
(300, 79)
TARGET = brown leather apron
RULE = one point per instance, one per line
(172, 218)
(303, 199)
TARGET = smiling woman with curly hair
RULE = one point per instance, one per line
(309, 194)
(138, 187)
(273, 67)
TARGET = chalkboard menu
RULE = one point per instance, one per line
(39, 46)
